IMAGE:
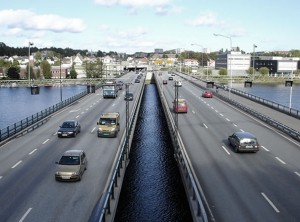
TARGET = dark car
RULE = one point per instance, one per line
(207, 94)
(120, 85)
(137, 80)
(165, 82)
(71, 165)
(243, 142)
(128, 96)
(69, 128)
(170, 78)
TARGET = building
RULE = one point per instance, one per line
(235, 62)
(277, 64)
(158, 51)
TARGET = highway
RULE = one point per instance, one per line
(262, 186)
(29, 191)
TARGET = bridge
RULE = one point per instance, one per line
(220, 185)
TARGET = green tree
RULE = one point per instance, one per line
(38, 56)
(46, 69)
(250, 71)
(32, 75)
(263, 71)
(73, 73)
(223, 72)
(13, 72)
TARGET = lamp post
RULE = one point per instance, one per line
(230, 40)
(254, 46)
(29, 81)
(60, 77)
(202, 59)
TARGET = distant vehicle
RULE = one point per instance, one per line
(108, 125)
(180, 106)
(128, 96)
(120, 85)
(243, 142)
(69, 128)
(207, 94)
(110, 90)
(165, 82)
(178, 83)
(173, 74)
(170, 78)
(137, 80)
(71, 165)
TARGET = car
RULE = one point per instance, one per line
(120, 84)
(170, 78)
(178, 83)
(180, 106)
(243, 142)
(137, 80)
(71, 165)
(69, 128)
(165, 82)
(128, 96)
(207, 94)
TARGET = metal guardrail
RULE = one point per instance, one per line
(103, 207)
(35, 120)
(194, 191)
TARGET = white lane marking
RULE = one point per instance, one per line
(32, 151)
(281, 161)
(75, 110)
(265, 148)
(25, 215)
(242, 130)
(298, 174)
(205, 125)
(1, 177)
(46, 141)
(212, 107)
(82, 112)
(77, 117)
(93, 129)
(270, 202)
(227, 119)
(221, 114)
(216, 110)
(193, 112)
(224, 148)
(235, 125)
(14, 166)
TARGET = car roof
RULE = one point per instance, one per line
(181, 100)
(73, 152)
(245, 134)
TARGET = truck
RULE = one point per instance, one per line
(108, 124)
(110, 90)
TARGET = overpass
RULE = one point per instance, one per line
(220, 184)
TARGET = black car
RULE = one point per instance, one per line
(128, 96)
(69, 128)
(137, 80)
(243, 142)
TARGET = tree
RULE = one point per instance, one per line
(263, 70)
(32, 75)
(250, 71)
(38, 56)
(223, 72)
(13, 72)
(73, 73)
(46, 69)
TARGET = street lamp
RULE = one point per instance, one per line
(202, 59)
(228, 37)
(254, 46)
(29, 44)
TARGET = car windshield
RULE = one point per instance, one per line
(107, 121)
(68, 125)
(248, 141)
(69, 160)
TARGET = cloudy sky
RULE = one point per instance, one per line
(142, 25)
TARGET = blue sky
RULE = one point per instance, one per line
(142, 25)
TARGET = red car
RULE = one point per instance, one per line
(165, 82)
(207, 94)
(180, 106)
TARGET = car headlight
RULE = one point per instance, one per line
(75, 173)
(99, 129)
(113, 129)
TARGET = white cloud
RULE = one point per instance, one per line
(133, 3)
(27, 20)
(132, 34)
(207, 18)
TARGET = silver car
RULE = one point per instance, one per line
(71, 165)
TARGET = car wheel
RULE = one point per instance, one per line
(236, 149)
(75, 134)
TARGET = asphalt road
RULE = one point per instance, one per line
(262, 186)
(29, 191)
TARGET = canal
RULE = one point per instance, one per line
(152, 189)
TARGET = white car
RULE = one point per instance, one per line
(178, 83)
